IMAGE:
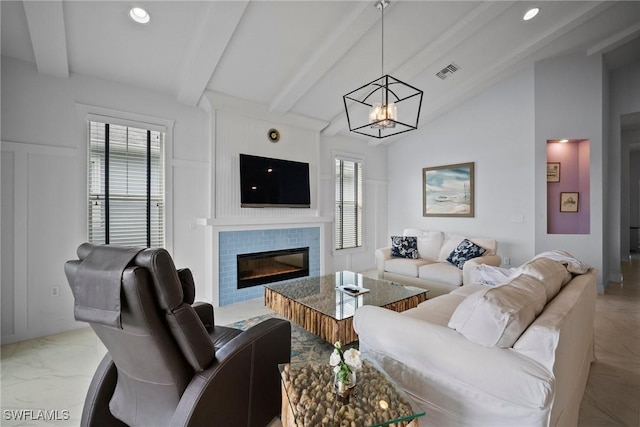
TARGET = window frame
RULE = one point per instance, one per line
(361, 160)
(126, 174)
(85, 114)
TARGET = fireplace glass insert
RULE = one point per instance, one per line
(272, 266)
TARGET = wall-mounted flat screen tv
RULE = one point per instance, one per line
(266, 182)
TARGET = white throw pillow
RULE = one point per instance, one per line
(498, 316)
(429, 245)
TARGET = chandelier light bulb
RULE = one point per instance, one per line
(383, 116)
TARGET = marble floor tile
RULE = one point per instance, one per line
(612, 395)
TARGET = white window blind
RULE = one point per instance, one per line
(126, 185)
(349, 224)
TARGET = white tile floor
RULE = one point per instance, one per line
(53, 373)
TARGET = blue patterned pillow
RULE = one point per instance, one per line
(465, 251)
(404, 247)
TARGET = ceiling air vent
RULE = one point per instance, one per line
(447, 71)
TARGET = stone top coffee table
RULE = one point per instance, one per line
(309, 398)
(318, 305)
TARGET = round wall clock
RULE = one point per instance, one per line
(274, 135)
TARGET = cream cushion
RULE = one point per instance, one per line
(441, 272)
(490, 245)
(405, 266)
(497, 316)
(450, 242)
(429, 242)
(552, 274)
(436, 310)
(429, 245)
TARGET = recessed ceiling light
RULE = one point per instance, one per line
(563, 141)
(531, 13)
(139, 15)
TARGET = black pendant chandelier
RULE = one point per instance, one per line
(384, 107)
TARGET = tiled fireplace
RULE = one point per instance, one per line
(258, 268)
(234, 243)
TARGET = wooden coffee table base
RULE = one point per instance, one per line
(327, 327)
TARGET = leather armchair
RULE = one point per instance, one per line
(168, 364)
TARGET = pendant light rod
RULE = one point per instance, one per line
(382, 4)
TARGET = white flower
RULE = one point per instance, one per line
(334, 359)
(352, 358)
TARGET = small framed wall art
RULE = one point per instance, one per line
(448, 190)
(569, 202)
(553, 172)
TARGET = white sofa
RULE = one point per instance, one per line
(516, 354)
(432, 270)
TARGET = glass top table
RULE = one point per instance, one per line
(308, 398)
(324, 306)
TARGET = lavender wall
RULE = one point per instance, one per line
(574, 177)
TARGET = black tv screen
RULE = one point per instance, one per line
(266, 182)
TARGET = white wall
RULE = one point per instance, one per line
(495, 131)
(237, 134)
(44, 185)
(240, 127)
(374, 200)
(569, 102)
(624, 99)
(44, 188)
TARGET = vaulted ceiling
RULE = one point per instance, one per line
(300, 57)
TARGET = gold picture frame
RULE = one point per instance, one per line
(448, 190)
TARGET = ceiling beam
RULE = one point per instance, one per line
(45, 20)
(481, 16)
(333, 47)
(513, 61)
(219, 101)
(516, 59)
(616, 40)
(471, 23)
(216, 28)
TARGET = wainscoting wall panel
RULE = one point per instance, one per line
(40, 206)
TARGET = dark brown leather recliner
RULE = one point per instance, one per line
(167, 363)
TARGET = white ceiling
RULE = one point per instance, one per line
(300, 57)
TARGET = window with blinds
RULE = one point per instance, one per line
(349, 224)
(126, 185)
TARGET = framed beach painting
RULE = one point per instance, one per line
(448, 190)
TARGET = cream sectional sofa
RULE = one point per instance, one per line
(517, 354)
(432, 270)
